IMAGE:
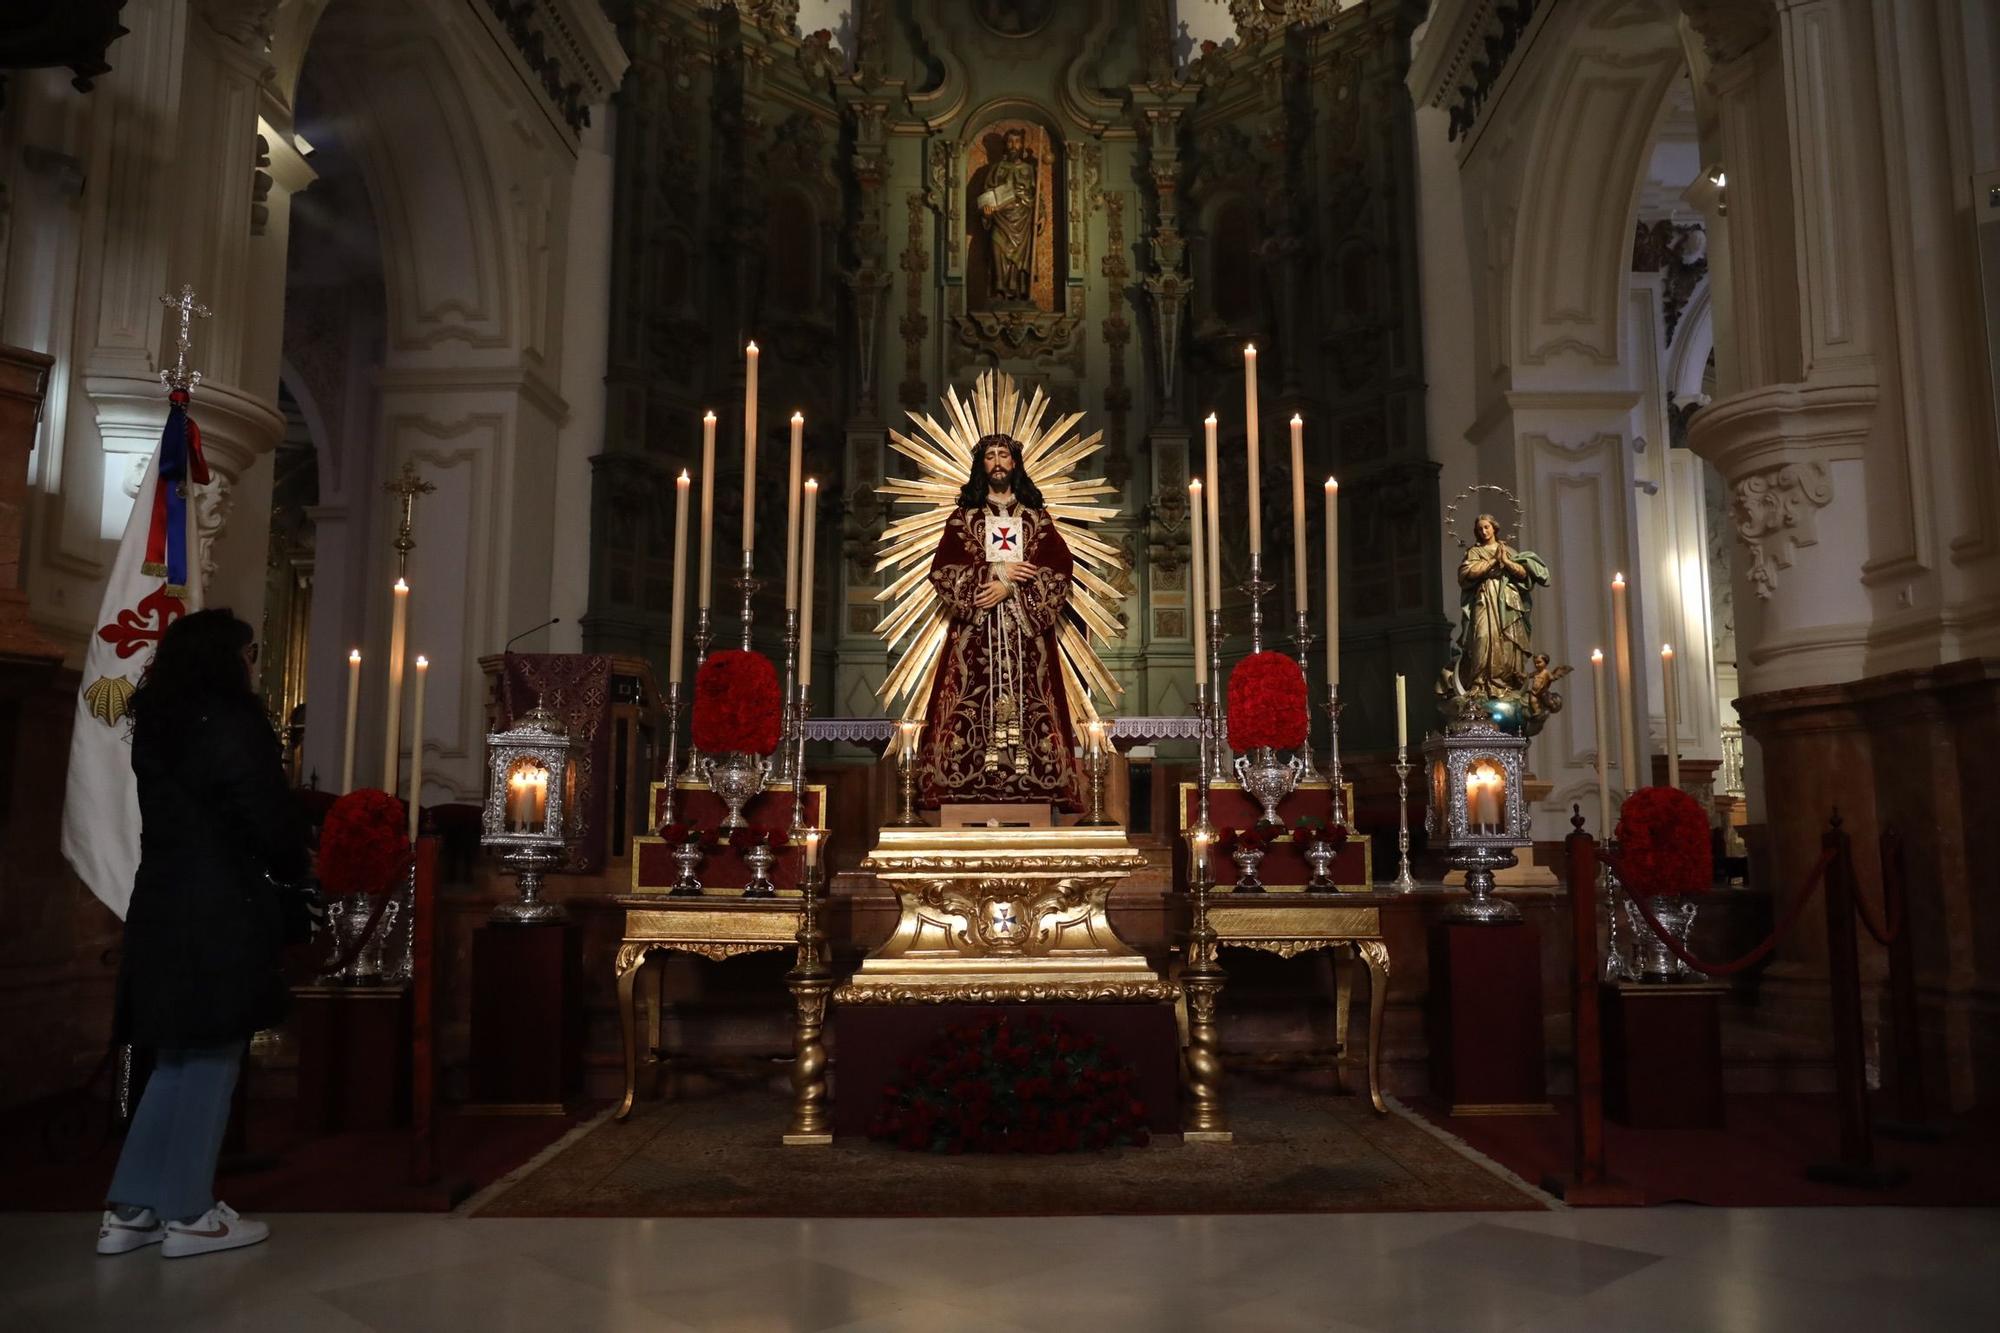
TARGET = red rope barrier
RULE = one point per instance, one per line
(1791, 918)
(1892, 902)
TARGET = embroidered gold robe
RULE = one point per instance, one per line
(998, 726)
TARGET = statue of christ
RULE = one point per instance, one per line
(998, 724)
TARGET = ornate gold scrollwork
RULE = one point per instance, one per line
(1011, 992)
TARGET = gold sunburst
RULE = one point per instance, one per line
(915, 622)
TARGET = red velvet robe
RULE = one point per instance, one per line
(962, 758)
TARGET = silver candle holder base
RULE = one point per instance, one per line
(1404, 882)
(530, 908)
(704, 632)
(1479, 907)
(1303, 638)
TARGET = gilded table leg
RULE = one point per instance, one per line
(1376, 954)
(1343, 1002)
(631, 962)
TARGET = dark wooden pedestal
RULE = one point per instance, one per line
(527, 1017)
(354, 1057)
(870, 1043)
(1663, 1055)
(1485, 1019)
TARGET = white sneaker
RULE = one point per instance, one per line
(117, 1236)
(220, 1228)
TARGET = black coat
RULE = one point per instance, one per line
(204, 935)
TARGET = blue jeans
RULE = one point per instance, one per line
(169, 1160)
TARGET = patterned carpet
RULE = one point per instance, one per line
(1298, 1149)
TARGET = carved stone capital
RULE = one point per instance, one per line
(1729, 29)
(1775, 515)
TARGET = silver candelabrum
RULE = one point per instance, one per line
(1335, 777)
(1218, 734)
(1405, 882)
(1204, 705)
(782, 774)
(665, 815)
(747, 583)
(801, 710)
(1304, 638)
(1268, 780)
(704, 633)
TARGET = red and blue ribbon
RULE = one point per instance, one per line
(180, 463)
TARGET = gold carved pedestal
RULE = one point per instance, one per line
(1003, 915)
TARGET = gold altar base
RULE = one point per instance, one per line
(1003, 915)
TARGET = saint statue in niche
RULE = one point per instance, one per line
(1008, 207)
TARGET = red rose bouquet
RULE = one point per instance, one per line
(364, 845)
(1256, 838)
(1267, 703)
(1663, 843)
(679, 834)
(746, 838)
(1311, 828)
(1013, 1083)
(737, 704)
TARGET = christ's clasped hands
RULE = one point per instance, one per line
(1001, 587)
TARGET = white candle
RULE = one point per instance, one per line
(679, 620)
(1200, 855)
(1298, 514)
(353, 713)
(538, 799)
(1402, 716)
(793, 589)
(1096, 727)
(1603, 744)
(707, 507)
(417, 745)
(1621, 628)
(806, 584)
(811, 836)
(750, 448)
(517, 800)
(1332, 581)
(1198, 582)
(1214, 545)
(1673, 716)
(392, 743)
(1250, 418)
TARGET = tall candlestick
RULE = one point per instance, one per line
(811, 499)
(1250, 419)
(1402, 716)
(1198, 582)
(417, 745)
(750, 448)
(1628, 726)
(393, 741)
(353, 713)
(1332, 581)
(1214, 545)
(707, 509)
(1299, 514)
(679, 621)
(1603, 744)
(1673, 716)
(793, 588)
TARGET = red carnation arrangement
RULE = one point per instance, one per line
(1663, 843)
(1256, 838)
(1015, 1083)
(679, 834)
(1311, 828)
(364, 845)
(1267, 703)
(737, 704)
(755, 835)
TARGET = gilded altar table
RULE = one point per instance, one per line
(709, 927)
(1294, 923)
(1003, 914)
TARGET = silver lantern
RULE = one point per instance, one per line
(530, 786)
(1477, 811)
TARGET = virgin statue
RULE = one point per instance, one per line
(1496, 600)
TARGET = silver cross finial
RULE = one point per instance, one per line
(179, 376)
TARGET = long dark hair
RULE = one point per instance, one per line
(200, 659)
(972, 495)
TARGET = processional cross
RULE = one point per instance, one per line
(178, 376)
(408, 486)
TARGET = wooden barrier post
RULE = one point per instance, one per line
(424, 1165)
(1589, 1184)
(1857, 1165)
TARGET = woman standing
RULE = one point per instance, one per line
(205, 933)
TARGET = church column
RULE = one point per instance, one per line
(1856, 433)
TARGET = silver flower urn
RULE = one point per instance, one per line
(688, 856)
(1247, 859)
(738, 778)
(1268, 779)
(1652, 962)
(1320, 855)
(759, 859)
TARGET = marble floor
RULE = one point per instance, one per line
(1873, 1269)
